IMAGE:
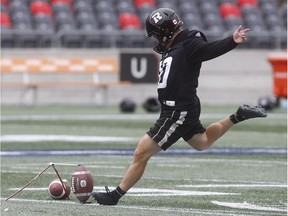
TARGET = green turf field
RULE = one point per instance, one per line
(244, 173)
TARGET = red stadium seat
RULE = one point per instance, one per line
(69, 2)
(5, 2)
(40, 7)
(228, 9)
(247, 2)
(129, 20)
(140, 3)
(5, 20)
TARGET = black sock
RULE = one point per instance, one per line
(236, 119)
(118, 193)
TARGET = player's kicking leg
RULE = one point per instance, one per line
(216, 130)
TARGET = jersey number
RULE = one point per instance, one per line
(164, 70)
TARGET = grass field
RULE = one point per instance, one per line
(244, 173)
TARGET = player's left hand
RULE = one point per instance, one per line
(239, 35)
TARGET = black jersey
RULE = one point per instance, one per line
(180, 65)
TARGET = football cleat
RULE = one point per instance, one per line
(104, 198)
(245, 112)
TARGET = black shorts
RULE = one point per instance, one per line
(175, 124)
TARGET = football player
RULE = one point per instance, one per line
(183, 52)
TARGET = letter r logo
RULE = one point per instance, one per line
(157, 17)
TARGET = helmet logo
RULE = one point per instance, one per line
(156, 17)
(175, 22)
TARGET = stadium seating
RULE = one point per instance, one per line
(40, 7)
(229, 9)
(68, 2)
(247, 2)
(7, 38)
(5, 19)
(140, 3)
(108, 21)
(129, 20)
(4, 2)
(71, 22)
(104, 6)
(61, 7)
(193, 21)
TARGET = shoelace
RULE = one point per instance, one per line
(107, 189)
(109, 192)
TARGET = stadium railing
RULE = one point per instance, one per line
(123, 39)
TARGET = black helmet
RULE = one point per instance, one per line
(162, 24)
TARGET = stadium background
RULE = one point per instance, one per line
(92, 29)
(57, 49)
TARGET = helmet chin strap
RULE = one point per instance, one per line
(161, 47)
(158, 48)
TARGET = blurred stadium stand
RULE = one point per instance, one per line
(104, 23)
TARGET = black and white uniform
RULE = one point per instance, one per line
(179, 70)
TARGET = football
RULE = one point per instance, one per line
(56, 190)
(82, 183)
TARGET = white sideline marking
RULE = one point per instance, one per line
(65, 138)
(162, 161)
(232, 185)
(148, 208)
(211, 160)
(125, 117)
(246, 205)
(193, 211)
(101, 117)
(149, 192)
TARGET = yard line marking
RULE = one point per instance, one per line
(108, 117)
(30, 189)
(66, 173)
(89, 166)
(233, 186)
(210, 160)
(193, 211)
(238, 182)
(153, 178)
(65, 138)
(102, 117)
(109, 152)
(246, 205)
(149, 192)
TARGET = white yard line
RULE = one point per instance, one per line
(148, 208)
(129, 152)
(154, 178)
(158, 160)
(246, 205)
(109, 117)
(102, 117)
(64, 138)
(150, 192)
(233, 186)
(176, 210)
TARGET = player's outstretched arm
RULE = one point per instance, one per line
(239, 35)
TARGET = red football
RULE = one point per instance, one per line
(82, 183)
(56, 190)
